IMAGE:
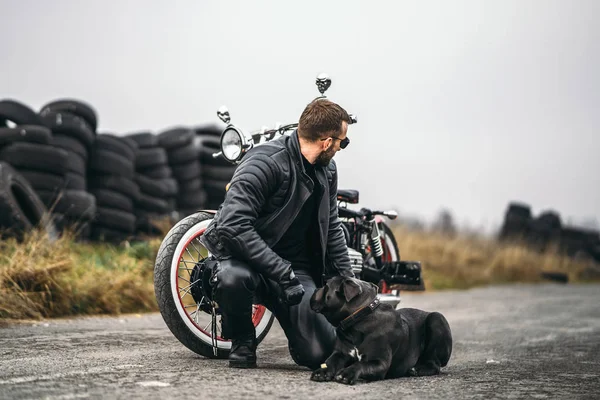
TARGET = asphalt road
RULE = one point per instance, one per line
(509, 342)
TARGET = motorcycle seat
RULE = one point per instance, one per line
(348, 196)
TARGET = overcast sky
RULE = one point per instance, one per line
(461, 104)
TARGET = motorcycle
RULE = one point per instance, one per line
(183, 271)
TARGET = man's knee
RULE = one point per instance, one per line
(233, 276)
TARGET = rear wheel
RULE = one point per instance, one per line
(182, 300)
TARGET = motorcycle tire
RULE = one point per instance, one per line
(182, 324)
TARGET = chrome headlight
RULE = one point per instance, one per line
(233, 144)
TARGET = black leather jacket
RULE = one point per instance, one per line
(266, 193)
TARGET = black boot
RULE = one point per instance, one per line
(243, 352)
(243, 337)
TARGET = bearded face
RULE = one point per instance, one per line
(324, 158)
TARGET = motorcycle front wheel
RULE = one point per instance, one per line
(179, 293)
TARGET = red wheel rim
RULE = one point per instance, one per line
(258, 311)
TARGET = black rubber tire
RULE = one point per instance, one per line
(107, 162)
(111, 199)
(21, 209)
(217, 173)
(115, 219)
(166, 302)
(108, 235)
(75, 204)
(75, 181)
(151, 187)
(186, 172)
(37, 157)
(149, 158)
(192, 200)
(70, 144)
(183, 155)
(43, 180)
(17, 113)
(175, 138)
(131, 143)
(152, 204)
(144, 140)
(171, 186)
(71, 125)
(77, 164)
(209, 129)
(115, 144)
(117, 183)
(160, 172)
(25, 133)
(193, 185)
(75, 107)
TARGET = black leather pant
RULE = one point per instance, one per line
(310, 336)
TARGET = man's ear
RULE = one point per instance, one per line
(351, 289)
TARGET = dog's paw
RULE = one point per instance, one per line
(347, 376)
(322, 375)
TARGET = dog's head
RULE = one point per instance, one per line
(341, 296)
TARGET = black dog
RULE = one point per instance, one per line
(375, 341)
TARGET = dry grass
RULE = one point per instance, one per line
(461, 262)
(40, 278)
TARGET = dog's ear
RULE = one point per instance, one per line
(351, 289)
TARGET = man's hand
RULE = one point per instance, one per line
(292, 290)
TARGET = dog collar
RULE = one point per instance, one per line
(358, 315)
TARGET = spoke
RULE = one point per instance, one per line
(193, 258)
(195, 248)
(190, 285)
(186, 262)
(191, 305)
(197, 312)
(181, 277)
(206, 327)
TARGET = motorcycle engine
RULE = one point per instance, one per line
(356, 260)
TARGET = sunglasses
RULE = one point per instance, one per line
(343, 142)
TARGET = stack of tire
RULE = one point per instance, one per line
(517, 222)
(73, 124)
(544, 230)
(20, 206)
(216, 172)
(48, 168)
(111, 181)
(183, 160)
(158, 189)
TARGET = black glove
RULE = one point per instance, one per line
(292, 290)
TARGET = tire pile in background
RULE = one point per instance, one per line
(104, 186)
(110, 176)
(547, 230)
(182, 158)
(154, 179)
(216, 172)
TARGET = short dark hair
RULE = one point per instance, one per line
(319, 118)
